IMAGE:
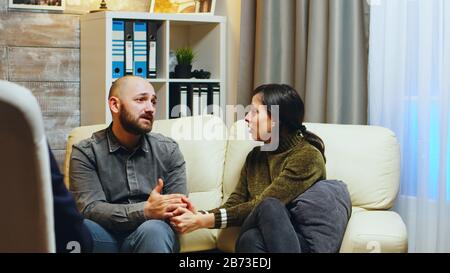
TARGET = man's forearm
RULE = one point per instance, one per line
(116, 217)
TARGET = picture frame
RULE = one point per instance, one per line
(37, 4)
(199, 7)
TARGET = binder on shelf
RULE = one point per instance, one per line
(140, 49)
(203, 99)
(181, 96)
(184, 105)
(118, 49)
(129, 47)
(196, 100)
(152, 32)
(215, 92)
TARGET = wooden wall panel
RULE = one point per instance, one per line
(3, 6)
(39, 29)
(44, 64)
(56, 97)
(40, 50)
(58, 127)
(3, 63)
(60, 106)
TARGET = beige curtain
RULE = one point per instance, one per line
(317, 46)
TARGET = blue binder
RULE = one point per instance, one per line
(140, 49)
(129, 47)
(118, 49)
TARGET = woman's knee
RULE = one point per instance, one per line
(271, 204)
(250, 241)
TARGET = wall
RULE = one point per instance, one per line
(81, 6)
(231, 9)
(41, 51)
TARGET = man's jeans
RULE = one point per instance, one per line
(152, 236)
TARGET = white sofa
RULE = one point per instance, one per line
(366, 158)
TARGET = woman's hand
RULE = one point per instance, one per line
(186, 221)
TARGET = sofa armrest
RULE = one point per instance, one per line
(375, 231)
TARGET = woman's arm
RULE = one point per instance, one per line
(188, 221)
(298, 175)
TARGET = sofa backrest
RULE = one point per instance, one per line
(202, 141)
(366, 158)
(238, 146)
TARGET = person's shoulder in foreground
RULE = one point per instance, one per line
(70, 231)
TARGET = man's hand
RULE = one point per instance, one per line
(189, 204)
(160, 206)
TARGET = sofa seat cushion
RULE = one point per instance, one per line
(199, 240)
(321, 214)
(375, 232)
(202, 239)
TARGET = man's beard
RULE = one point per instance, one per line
(131, 125)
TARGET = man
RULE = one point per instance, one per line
(126, 180)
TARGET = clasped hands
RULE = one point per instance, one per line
(177, 209)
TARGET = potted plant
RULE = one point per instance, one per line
(185, 56)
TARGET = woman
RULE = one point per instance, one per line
(269, 179)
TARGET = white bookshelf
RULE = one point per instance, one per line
(206, 34)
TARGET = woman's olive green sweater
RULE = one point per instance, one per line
(283, 174)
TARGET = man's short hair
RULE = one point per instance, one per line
(116, 86)
(114, 89)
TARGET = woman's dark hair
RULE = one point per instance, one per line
(291, 111)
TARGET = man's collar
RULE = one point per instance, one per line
(144, 143)
(114, 144)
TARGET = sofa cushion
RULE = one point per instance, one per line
(239, 145)
(378, 231)
(202, 141)
(201, 239)
(321, 215)
(370, 152)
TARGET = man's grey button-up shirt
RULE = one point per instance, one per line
(111, 184)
